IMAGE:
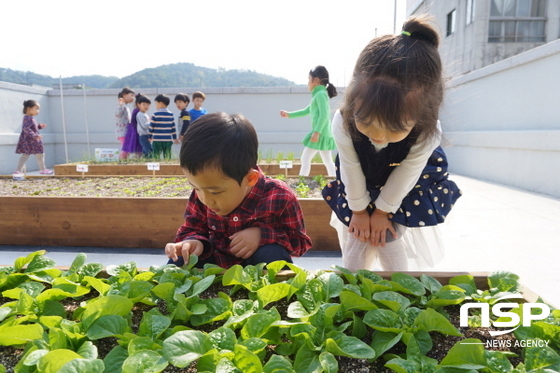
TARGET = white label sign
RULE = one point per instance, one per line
(106, 154)
(82, 167)
(153, 166)
(286, 164)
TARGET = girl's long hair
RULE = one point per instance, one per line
(398, 78)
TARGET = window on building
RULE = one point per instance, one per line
(451, 22)
(470, 12)
(517, 21)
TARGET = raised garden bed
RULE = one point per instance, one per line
(134, 168)
(169, 319)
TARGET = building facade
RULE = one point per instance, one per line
(478, 33)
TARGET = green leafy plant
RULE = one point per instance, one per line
(259, 320)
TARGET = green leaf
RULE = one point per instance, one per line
(274, 292)
(296, 310)
(202, 285)
(307, 361)
(542, 357)
(144, 362)
(504, 282)
(383, 320)
(115, 359)
(340, 344)
(98, 284)
(392, 300)
(257, 325)
(153, 324)
(466, 354)
(465, 282)
(107, 326)
(410, 284)
(328, 362)
(83, 366)
(332, 285)
(23, 260)
(19, 334)
(498, 362)
(430, 283)
(446, 298)
(108, 305)
(77, 263)
(53, 361)
(403, 366)
(246, 360)
(186, 346)
(88, 350)
(223, 338)
(383, 341)
(165, 291)
(235, 276)
(217, 309)
(90, 269)
(139, 290)
(353, 301)
(278, 364)
(433, 321)
(39, 263)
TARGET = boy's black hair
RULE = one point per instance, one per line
(199, 94)
(225, 142)
(140, 98)
(164, 99)
(182, 97)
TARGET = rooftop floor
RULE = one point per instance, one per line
(492, 228)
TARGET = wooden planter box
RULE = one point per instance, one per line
(69, 169)
(120, 222)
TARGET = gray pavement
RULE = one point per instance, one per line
(492, 228)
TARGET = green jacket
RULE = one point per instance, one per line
(320, 111)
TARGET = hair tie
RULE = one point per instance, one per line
(406, 33)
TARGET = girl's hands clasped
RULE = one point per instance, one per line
(380, 224)
(359, 225)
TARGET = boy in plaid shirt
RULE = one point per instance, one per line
(235, 215)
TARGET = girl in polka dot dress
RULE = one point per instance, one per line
(392, 189)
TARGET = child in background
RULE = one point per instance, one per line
(197, 111)
(320, 138)
(162, 129)
(143, 125)
(182, 101)
(235, 215)
(393, 173)
(30, 141)
(131, 142)
(122, 113)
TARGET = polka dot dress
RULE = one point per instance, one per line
(427, 204)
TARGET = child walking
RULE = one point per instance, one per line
(392, 177)
(131, 142)
(320, 138)
(30, 141)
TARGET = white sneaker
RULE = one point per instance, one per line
(46, 171)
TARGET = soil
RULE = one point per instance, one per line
(124, 187)
(9, 356)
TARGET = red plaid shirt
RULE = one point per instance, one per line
(270, 205)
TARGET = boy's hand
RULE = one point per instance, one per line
(151, 140)
(184, 249)
(359, 225)
(42, 126)
(284, 114)
(380, 223)
(176, 141)
(244, 243)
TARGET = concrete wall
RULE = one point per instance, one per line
(503, 121)
(260, 105)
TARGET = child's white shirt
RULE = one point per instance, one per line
(400, 182)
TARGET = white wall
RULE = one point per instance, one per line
(503, 121)
(260, 105)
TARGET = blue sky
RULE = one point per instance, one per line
(282, 38)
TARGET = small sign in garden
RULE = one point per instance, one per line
(153, 166)
(106, 154)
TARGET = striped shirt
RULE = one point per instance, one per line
(162, 126)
